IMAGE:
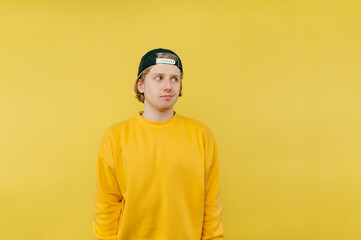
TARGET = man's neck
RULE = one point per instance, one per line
(157, 116)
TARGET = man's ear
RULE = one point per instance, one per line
(140, 86)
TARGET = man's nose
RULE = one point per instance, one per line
(167, 84)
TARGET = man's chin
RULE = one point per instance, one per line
(165, 107)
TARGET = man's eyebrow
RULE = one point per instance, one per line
(162, 74)
(157, 74)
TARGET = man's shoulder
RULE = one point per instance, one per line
(196, 124)
(119, 126)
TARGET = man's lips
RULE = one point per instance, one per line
(167, 96)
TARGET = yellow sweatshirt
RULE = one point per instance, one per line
(158, 181)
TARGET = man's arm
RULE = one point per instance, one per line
(212, 221)
(108, 205)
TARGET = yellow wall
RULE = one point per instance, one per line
(278, 82)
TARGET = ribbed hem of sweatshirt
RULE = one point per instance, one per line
(150, 123)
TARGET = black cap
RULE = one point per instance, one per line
(150, 59)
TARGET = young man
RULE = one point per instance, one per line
(158, 172)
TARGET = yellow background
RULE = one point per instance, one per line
(278, 83)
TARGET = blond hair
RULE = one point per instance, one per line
(140, 96)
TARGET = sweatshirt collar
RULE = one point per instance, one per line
(148, 122)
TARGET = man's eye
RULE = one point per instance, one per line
(175, 79)
(158, 77)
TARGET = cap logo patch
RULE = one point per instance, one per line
(165, 60)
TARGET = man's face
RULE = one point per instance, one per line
(161, 86)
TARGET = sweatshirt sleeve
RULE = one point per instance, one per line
(108, 200)
(212, 221)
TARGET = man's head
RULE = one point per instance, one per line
(159, 64)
